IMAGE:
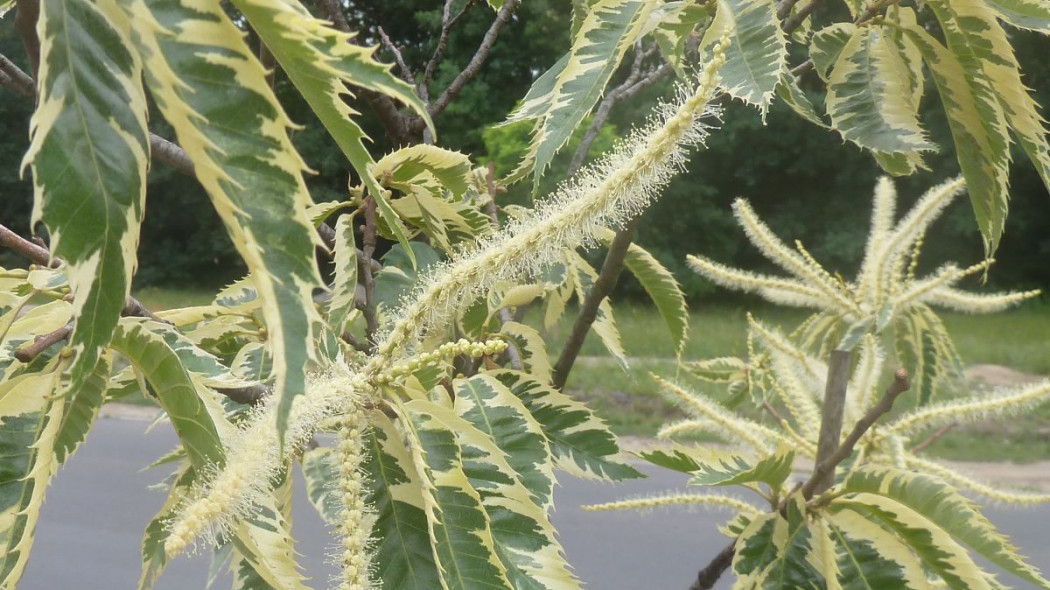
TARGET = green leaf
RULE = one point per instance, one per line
(869, 98)
(757, 51)
(493, 409)
(344, 291)
(737, 470)
(679, 459)
(322, 62)
(459, 527)
(1025, 14)
(662, 288)
(581, 442)
(978, 127)
(949, 510)
(89, 155)
(934, 546)
(237, 137)
(678, 22)
(30, 418)
(610, 28)
(403, 558)
(161, 366)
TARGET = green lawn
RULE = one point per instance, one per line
(633, 404)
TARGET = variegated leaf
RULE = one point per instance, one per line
(264, 553)
(757, 548)
(1024, 14)
(321, 473)
(344, 291)
(459, 526)
(662, 288)
(934, 546)
(757, 51)
(522, 532)
(154, 558)
(871, 557)
(237, 137)
(89, 154)
(6, 6)
(610, 28)
(604, 325)
(976, 38)
(424, 165)
(161, 366)
(949, 510)
(678, 20)
(737, 470)
(580, 442)
(789, 91)
(403, 558)
(870, 95)
(978, 127)
(798, 564)
(493, 409)
(30, 420)
(20, 328)
(531, 349)
(82, 408)
(827, 44)
(322, 62)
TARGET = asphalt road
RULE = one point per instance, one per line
(89, 535)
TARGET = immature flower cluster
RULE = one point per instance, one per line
(442, 353)
(886, 285)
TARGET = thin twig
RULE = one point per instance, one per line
(601, 289)
(26, 17)
(900, 385)
(473, 68)
(37, 254)
(933, 437)
(795, 21)
(406, 72)
(369, 238)
(447, 22)
(708, 576)
(249, 395)
(16, 79)
(42, 342)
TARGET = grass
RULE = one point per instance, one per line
(161, 298)
(633, 405)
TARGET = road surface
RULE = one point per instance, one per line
(89, 534)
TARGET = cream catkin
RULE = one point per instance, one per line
(608, 192)
(253, 460)
(355, 523)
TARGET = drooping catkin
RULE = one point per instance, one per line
(355, 521)
(608, 192)
(253, 460)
